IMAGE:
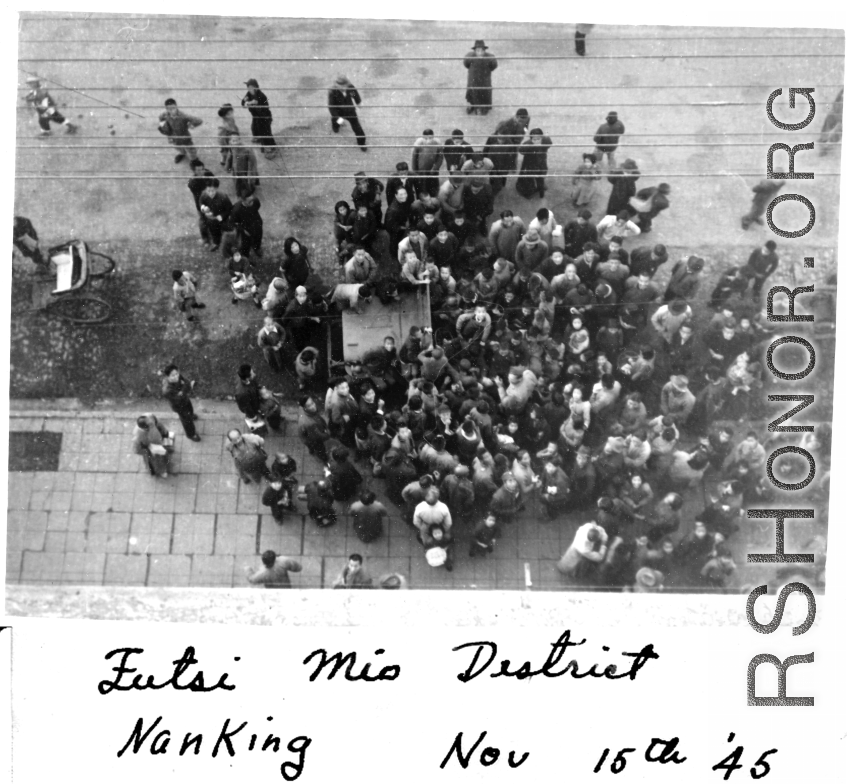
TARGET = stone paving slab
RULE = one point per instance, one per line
(102, 520)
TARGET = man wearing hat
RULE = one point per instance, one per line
(44, 106)
(510, 134)
(257, 104)
(677, 400)
(531, 251)
(607, 137)
(343, 98)
(480, 63)
(685, 279)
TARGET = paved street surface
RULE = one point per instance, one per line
(101, 519)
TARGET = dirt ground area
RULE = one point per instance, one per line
(131, 200)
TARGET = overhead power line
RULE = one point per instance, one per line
(30, 175)
(595, 37)
(425, 107)
(419, 87)
(398, 59)
(311, 146)
(671, 135)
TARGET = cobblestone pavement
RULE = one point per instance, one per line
(101, 519)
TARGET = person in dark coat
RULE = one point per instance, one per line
(685, 279)
(731, 283)
(581, 32)
(312, 428)
(25, 237)
(401, 179)
(200, 180)
(367, 514)
(248, 224)
(343, 99)
(498, 154)
(368, 193)
(257, 104)
(646, 260)
(578, 232)
(296, 265)
(761, 265)
(397, 219)
(623, 187)
(247, 392)
(479, 204)
(456, 151)
(606, 139)
(344, 479)
(480, 63)
(654, 199)
(534, 164)
(511, 134)
(216, 207)
(176, 389)
(763, 192)
(342, 226)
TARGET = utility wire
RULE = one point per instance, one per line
(565, 38)
(628, 135)
(416, 107)
(310, 146)
(31, 175)
(405, 59)
(419, 87)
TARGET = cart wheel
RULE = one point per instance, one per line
(100, 265)
(81, 309)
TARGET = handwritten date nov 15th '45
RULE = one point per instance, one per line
(484, 655)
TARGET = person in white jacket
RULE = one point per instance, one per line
(588, 548)
(522, 383)
(616, 226)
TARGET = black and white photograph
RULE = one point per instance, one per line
(360, 304)
(482, 354)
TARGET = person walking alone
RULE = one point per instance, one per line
(176, 390)
(480, 64)
(44, 106)
(257, 104)
(342, 100)
(607, 137)
(154, 442)
(177, 127)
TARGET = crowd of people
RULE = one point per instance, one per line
(553, 372)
